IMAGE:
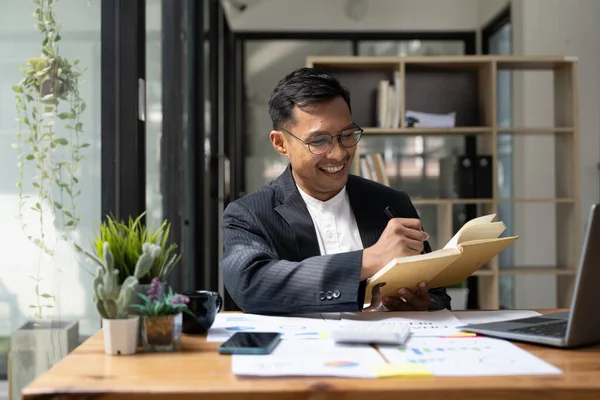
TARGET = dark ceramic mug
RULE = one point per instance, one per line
(205, 305)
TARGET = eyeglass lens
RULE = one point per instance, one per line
(321, 143)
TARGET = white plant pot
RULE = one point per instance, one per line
(121, 335)
(459, 297)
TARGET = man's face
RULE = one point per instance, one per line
(321, 176)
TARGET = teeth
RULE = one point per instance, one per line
(333, 169)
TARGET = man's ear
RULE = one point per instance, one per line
(279, 143)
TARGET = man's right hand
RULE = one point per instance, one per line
(402, 237)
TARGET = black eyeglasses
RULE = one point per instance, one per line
(321, 143)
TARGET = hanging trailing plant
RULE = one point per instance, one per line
(49, 108)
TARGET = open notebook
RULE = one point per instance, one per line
(475, 244)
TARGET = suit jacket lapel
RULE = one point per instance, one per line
(294, 211)
(368, 220)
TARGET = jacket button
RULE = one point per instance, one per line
(321, 296)
(329, 295)
(336, 294)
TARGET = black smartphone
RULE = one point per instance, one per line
(250, 343)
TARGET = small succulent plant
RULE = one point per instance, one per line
(113, 301)
(156, 306)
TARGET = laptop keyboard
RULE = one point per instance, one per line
(554, 329)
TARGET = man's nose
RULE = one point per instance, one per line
(337, 151)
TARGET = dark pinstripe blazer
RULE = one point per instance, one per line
(271, 259)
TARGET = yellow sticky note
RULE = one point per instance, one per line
(323, 335)
(462, 334)
(387, 370)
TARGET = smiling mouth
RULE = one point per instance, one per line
(332, 169)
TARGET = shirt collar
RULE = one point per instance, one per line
(312, 202)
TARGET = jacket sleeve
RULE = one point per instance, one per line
(261, 283)
(439, 298)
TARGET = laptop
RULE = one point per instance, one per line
(578, 327)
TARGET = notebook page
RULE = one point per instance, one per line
(486, 219)
(477, 232)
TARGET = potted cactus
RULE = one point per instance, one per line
(113, 300)
(125, 240)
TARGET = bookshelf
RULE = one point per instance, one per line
(467, 86)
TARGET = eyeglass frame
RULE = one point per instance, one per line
(338, 136)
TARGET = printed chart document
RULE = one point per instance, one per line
(480, 317)
(309, 326)
(422, 323)
(317, 326)
(312, 358)
(468, 356)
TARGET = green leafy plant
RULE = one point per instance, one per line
(49, 107)
(156, 306)
(113, 300)
(126, 240)
(459, 285)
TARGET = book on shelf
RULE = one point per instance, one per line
(372, 167)
(473, 246)
(389, 96)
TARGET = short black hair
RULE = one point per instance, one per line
(303, 87)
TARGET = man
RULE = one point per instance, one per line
(307, 241)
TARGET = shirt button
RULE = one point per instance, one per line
(336, 294)
(321, 296)
(329, 295)
(329, 234)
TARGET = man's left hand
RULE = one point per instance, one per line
(407, 299)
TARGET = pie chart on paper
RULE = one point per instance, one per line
(239, 328)
(341, 364)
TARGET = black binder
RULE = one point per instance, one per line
(457, 177)
(483, 177)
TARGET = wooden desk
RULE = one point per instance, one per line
(198, 371)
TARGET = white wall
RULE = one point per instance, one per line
(488, 9)
(331, 15)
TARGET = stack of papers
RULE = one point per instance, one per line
(317, 326)
(422, 323)
(312, 326)
(436, 347)
(481, 317)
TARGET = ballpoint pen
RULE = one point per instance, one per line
(390, 213)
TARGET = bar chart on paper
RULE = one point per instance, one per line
(443, 348)
(467, 357)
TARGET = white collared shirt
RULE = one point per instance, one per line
(335, 225)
